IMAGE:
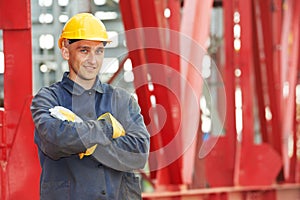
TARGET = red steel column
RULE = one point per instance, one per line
(253, 158)
(295, 57)
(244, 64)
(149, 17)
(261, 85)
(230, 83)
(196, 16)
(272, 71)
(152, 16)
(19, 161)
(289, 65)
(249, 158)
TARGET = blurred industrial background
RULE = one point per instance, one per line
(217, 81)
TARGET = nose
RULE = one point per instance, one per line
(92, 58)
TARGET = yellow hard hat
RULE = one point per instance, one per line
(84, 26)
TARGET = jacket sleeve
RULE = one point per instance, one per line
(131, 151)
(57, 138)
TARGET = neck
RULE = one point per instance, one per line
(86, 84)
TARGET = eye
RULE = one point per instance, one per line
(99, 51)
(83, 50)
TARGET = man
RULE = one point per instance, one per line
(90, 136)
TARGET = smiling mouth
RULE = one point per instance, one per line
(89, 67)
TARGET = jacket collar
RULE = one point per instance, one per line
(76, 89)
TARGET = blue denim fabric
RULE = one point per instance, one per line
(108, 172)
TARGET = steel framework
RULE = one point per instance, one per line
(261, 51)
(259, 59)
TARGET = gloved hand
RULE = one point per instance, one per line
(63, 114)
(118, 131)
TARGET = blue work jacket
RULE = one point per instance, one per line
(109, 172)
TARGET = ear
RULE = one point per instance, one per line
(65, 53)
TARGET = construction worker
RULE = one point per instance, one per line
(90, 136)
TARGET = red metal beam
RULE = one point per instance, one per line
(242, 60)
(296, 58)
(238, 163)
(132, 24)
(220, 162)
(272, 98)
(274, 192)
(17, 150)
(245, 64)
(259, 157)
(289, 65)
(261, 86)
(297, 134)
(196, 16)
(146, 56)
(171, 174)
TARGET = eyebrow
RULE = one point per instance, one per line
(83, 47)
(87, 47)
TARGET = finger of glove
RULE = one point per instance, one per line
(118, 129)
(58, 115)
(88, 152)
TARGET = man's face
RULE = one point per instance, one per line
(85, 59)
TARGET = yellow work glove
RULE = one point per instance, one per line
(63, 114)
(118, 131)
(88, 152)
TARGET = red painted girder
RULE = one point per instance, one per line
(15, 14)
(3, 157)
(259, 157)
(18, 91)
(289, 63)
(23, 164)
(244, 63)
(129, 10)
(173, 24)
(297, 139)
(263, 156)
(297, 134)
(225, 148)
(260, 78)
(269, 46)
(277, 71)
(277, 19)
(172, 28)
(131, 21)
(152, 16)
(194, 29)
(17, 137)
(136, 47)
(274, 192)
